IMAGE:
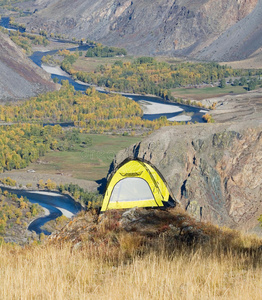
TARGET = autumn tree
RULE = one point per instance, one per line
(50, 185)
(41, 184)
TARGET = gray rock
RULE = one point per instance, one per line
(222, 180)
(204, 28)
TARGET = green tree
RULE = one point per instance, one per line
(251, 85)
(242, 81)
(222, 83)
(236, 82)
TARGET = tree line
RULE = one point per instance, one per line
(104, 51)
(15, 211)
(24, 143)
(147, 75)
(92, 111)
(250, 82)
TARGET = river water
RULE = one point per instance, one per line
(4, 22)
(152, 104)
(54, 204)
(171, 110)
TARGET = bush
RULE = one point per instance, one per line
(208, 118)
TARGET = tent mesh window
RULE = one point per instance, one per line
(131, 189)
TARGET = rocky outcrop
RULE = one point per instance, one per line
(214, 171)
(118, 234)
(20, 78)
(165, 27)
(149, 228)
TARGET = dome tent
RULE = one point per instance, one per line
(135, 183)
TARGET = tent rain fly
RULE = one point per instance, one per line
(135, 183)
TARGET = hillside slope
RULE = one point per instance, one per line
(20, 77)
(168, 27)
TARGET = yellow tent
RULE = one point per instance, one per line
(135, 183)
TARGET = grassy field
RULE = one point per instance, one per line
(113, 264)
(91, 162)
(207, 92)
(60, 273)
(89, 64)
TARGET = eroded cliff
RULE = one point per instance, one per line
(214, 171)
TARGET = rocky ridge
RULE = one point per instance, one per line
(203, 29)
(122, 234)
(146, 227)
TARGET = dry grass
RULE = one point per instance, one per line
(89, 64)
(208, 92)
(55, 271)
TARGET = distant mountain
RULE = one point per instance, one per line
(221, 30)
(20, 77)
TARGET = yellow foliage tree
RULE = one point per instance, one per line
(50, 185)
(41, 184)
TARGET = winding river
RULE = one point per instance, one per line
(56, 204)
(154, 107)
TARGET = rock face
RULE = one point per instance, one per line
(205, 29)
(20, 78)
(214, 171)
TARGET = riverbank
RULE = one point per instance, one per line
(25, 177)
(55, 70)
(152, 108)
(53, 205)
(180, 118)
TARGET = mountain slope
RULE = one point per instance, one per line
(240, 41)
(167, 27)
(20, 77)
